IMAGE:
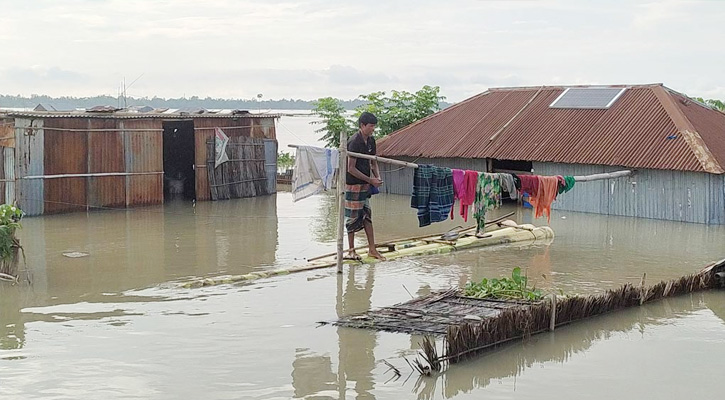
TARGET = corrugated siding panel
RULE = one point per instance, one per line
(66, 153)
(7, 132)
(29, 161)
(106, 154)
(657, 194)
(270, 164)
(263, 128)
(144, 153)
(9, 154)
(716, 212)
(399, 180)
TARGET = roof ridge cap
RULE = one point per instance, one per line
(694, 141)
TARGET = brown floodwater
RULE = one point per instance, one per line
(114, 324)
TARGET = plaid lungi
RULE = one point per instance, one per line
(357, 209)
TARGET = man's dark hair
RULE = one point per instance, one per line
(367, 118)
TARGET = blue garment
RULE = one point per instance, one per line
(432, 193)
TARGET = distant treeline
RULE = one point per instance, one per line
(71, 103)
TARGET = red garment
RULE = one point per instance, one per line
(547, 189)
(470, 180)
(458, 186)
(529, 184)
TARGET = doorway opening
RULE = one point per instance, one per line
(179, 154)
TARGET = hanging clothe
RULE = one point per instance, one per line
(529, 184)
(432, 193)
(508, 184)
(314, 171)
(441, 194)
(545, 195)
(569, 182)
(488, 196)
(470, 181)
(459, 188)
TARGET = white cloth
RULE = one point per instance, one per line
(315, 170)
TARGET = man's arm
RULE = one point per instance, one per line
(374, 169)
(352, 169)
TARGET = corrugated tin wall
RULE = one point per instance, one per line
(29, 156)
(144, 156)
(270, 164)
(658, 194)
(399, 180)
(105, 154)
(668, 195)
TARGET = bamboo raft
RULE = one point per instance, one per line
(471, 325)
(498, 232)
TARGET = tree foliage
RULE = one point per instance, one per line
(394, 112)
(716, 104)
(285, 161)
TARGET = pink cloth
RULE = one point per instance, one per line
(458, 186)
(470, 180)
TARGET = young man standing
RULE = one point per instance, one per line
(361, 174)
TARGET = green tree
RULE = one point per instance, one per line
(333, 120)
(285, 161)
(394, 112)
(716, 104)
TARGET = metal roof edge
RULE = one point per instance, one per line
(29, 114)
(685, 128)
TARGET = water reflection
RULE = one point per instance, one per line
(312, 374)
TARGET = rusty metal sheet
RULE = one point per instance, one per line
(65, 153)
(143, 143)
(7, 132)
(106, 154)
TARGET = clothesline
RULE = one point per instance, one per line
(580, 178)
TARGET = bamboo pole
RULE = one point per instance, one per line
(552, 320)
(342, 172)
(375, 158)
(597, 177)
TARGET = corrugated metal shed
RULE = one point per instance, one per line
(76, 161)
(648, 126)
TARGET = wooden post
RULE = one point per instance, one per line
(552, 321)
(342, 172)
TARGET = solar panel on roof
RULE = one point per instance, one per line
(587, 98)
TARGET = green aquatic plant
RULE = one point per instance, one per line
(504, 288)
(9, 222)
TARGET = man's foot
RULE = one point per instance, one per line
(376, 254)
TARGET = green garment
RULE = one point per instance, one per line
(568, 184)
(488, 196)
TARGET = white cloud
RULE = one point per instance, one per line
(315, 48)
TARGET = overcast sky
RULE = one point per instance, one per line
(311, 49)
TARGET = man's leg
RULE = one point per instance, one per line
(351, 253)
(372, 251)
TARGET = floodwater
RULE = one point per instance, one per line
(114, 325)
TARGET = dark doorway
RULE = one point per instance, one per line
(179, 178)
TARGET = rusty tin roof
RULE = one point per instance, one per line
(647, 126)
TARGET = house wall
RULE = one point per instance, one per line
(658, 194)
(399, 180)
